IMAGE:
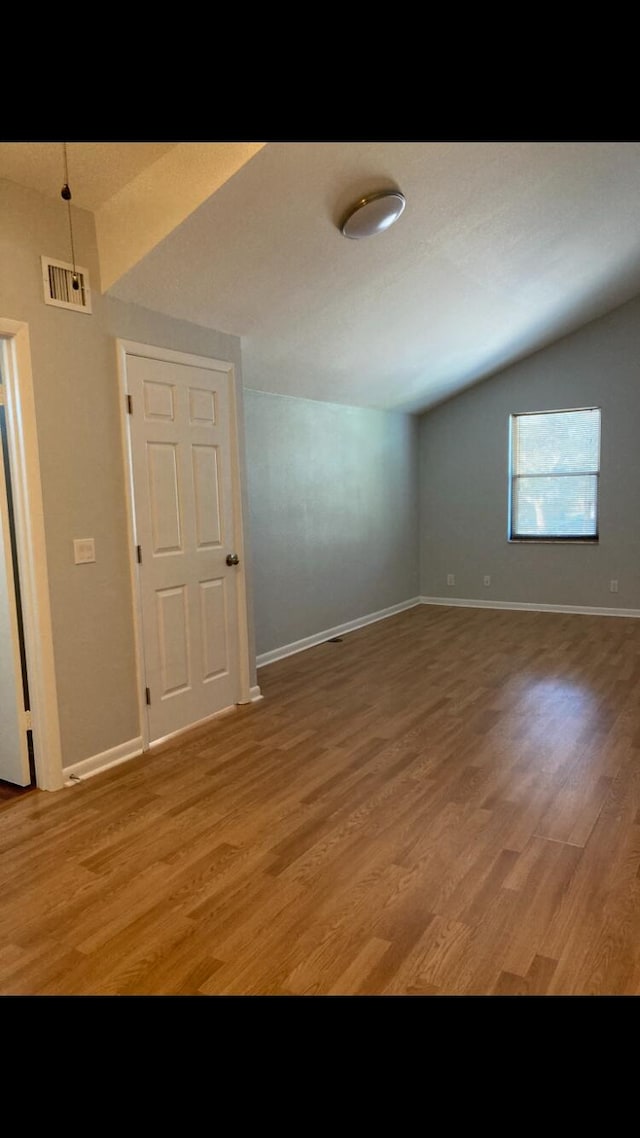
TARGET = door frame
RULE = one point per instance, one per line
(26, 485)
(124, 349)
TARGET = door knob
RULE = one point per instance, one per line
(233, 559)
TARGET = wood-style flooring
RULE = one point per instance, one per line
(446, 802)
(8, 791)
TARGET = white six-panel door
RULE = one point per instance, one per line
(185, 527)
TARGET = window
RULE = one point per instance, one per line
(555, 467)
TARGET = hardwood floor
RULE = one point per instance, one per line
(8, 792)
(445, 802)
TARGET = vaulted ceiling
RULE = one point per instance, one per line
(502, 248)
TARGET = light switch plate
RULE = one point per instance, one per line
(84, 550)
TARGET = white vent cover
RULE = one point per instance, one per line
(57, 277)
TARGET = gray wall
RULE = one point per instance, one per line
(76, 396)
(333, 490)
(333, 513)
(464, 472)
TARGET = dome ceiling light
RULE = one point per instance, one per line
(372, 214)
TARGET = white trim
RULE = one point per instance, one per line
(86, 768)
(244, 663)
(526, 606)
(153, 352)
(339, 629)
(24, 462)
(255, 695)
(126, 348)
(15, 763)
(136, 599)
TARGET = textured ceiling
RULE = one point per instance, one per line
(97, 170)
(503, 247)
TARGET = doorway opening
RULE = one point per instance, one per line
(17, 762)
(30, 748)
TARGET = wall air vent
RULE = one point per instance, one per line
(57, 277)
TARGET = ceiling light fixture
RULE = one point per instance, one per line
(373, 213)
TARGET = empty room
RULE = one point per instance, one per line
(319, 568)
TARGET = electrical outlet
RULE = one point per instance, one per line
(487, 579)
(613, 586)
(450, 579)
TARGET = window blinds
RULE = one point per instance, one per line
(555, 464)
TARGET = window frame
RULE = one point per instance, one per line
(590, 539)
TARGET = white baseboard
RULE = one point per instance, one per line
(584, 610)
(102, 762)
(338, 630)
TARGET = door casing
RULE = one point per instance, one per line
(26, 483)
(124, 349)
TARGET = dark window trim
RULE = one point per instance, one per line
(569, 539)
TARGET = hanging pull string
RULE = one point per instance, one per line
(65, 194)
